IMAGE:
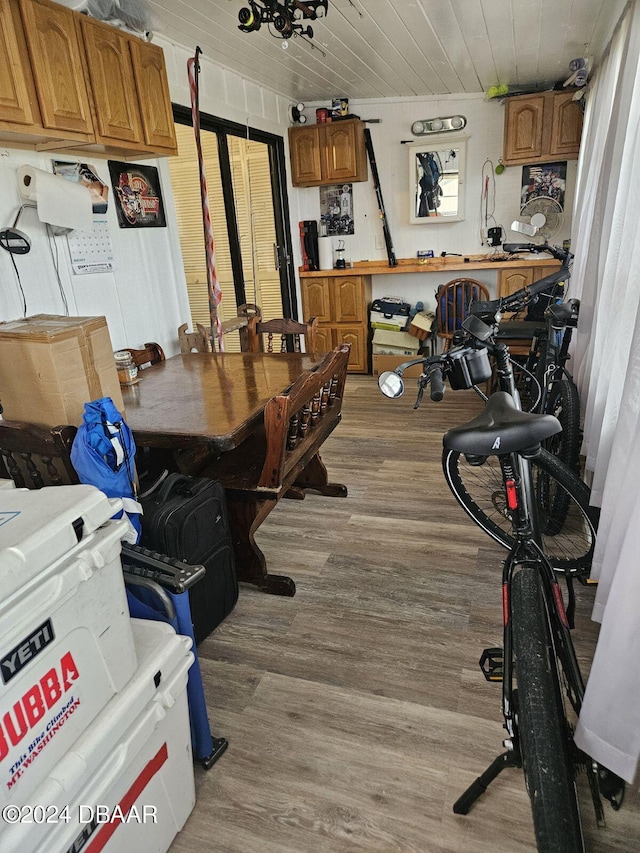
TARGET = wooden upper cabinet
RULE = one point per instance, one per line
(14, 71)
(56, 63)
(69, 81)
(541, 126)
(566, 128)
(344, 152)
(112, 82)
(153, 95)
(304, 148)
(332, 153)
(523, 128)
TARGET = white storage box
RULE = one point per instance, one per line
(126, 786)
(66, 645)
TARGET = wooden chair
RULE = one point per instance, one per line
(452, 305)
(34, 456)
(203, 339)
(281, 329)
(151, 354)
(198, 341)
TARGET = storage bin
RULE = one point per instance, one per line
(127, 785)
(66, 645)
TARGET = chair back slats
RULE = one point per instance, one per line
(281, 334)
(34, 456)
(452, 304)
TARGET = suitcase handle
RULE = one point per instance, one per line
(169, 483)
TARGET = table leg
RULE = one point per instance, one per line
(314, 476)
(245, 517)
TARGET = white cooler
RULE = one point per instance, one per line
(66, 645)
(127, 785)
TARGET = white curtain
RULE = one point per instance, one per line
(606, 237)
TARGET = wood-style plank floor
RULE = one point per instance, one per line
(356, 712)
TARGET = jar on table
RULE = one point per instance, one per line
(126, 367)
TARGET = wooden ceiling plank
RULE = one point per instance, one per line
(274, 72)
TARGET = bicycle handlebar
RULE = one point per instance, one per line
(437, 383)
(560, 254)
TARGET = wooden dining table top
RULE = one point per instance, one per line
(216, 398)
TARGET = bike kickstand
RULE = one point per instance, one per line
(477, 788)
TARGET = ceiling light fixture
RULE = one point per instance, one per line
(438, 125)
(283, 15)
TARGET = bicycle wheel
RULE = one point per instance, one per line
(563, 402)
(567, 542)
(543, 730)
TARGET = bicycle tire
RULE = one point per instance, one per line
(567, 542)
(564, 402)
(543, 729)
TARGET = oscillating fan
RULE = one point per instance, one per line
(544, 213)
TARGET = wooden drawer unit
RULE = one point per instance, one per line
(340, 304)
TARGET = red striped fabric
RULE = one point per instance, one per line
(215, 293)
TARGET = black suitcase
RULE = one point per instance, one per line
(186, 517)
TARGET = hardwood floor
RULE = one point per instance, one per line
(356, 712)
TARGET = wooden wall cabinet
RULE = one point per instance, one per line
(57, 66)
(15, 97)
(331, 153)
(340, 303)
(541, 128)
(68, 81)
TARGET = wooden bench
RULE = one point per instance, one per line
(281, 459)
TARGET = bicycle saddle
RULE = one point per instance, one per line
(501, 428)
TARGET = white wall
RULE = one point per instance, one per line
(145, 297)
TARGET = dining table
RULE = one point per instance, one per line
(254, 421)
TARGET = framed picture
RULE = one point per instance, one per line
(138, 196)
(546, 179)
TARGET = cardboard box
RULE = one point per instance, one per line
(392, 343)
(51, 366)
(390, 362)
(420, 326)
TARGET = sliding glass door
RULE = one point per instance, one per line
(249, 212)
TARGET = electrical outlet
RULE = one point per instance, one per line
(379, 242)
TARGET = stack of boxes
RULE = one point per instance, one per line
(95, 750)
(397, 333)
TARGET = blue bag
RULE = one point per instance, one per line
(103, 454)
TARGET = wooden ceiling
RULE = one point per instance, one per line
(400, 48)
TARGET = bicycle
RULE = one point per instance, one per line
(543, 381)
(542, 687)
(563, 499)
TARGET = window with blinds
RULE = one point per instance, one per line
(251, 183)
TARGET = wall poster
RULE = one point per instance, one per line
(138, 196)
(336, 210)
(545, 179)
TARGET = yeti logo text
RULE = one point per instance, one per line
(496, 444)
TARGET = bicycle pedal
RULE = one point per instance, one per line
(492, 664)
